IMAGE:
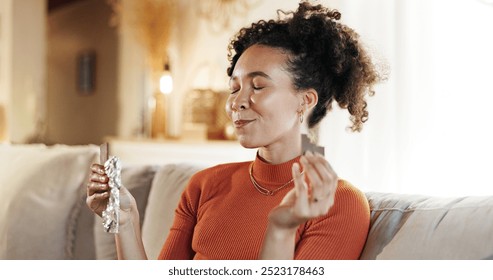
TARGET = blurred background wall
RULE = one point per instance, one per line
(428, 129)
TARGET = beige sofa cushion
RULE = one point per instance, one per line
(422, 227)
(166, 190)
(39, 186)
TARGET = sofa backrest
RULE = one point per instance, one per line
(401, 227)
(423, 227)
(43, 213)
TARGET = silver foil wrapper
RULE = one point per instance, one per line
(111, 214)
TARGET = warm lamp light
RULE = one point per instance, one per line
(160, 106)
(166, 81)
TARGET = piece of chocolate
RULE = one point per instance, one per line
(307, 145)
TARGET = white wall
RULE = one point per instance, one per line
(22, 65)
(5, 62)
(132, 79)
(75, 117)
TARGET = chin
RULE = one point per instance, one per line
(246, 143)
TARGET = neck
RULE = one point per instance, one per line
(277, 154)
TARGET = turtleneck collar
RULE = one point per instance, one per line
(272, 174)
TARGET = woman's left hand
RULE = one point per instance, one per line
(310, 198)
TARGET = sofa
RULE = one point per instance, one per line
(43, 213)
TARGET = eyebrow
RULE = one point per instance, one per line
(254, 74)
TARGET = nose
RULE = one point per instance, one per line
(240, 101)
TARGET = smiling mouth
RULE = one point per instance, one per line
(241, 123)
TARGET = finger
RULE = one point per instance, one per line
(299, 178)
(94, 187)
(318, 159)
(97, 168)
(97, 201)
(311, 173)
(301, 204)
(325, 163)
(289, 198)
(320, 164)
(327, 176)
(98, 178)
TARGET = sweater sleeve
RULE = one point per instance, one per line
(178, 244)
(341, 234)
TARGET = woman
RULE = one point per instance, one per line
(282, 205)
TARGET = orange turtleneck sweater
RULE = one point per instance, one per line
(222, 216)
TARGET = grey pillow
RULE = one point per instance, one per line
(165, 193)
(138, 181)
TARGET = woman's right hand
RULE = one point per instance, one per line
(128, 240)
(98, 193)
(309, 199)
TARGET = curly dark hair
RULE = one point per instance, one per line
(323, 54)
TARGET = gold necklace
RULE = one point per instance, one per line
(263, 190)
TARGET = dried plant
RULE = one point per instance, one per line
(116, 7)
(153, 21)
(220, 13)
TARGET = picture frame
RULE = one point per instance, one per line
(86, 72)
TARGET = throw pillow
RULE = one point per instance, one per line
(166, 190)
(39, 185)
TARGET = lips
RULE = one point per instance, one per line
(241, 123)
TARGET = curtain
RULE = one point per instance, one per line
(428, 130)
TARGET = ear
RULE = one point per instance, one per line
(309, 99)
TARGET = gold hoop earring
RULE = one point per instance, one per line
(301, 116)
